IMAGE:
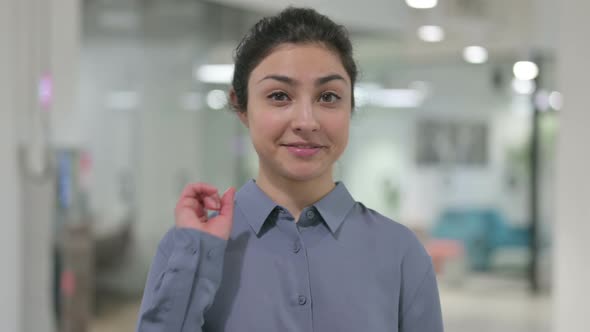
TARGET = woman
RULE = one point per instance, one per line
(291, 250)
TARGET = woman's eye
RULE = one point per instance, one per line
(278, 96)
(329, 97)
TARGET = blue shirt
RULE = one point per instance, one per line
(342, 267)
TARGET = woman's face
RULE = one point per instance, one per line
(298, 112)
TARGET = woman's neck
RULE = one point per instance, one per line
(294, 195)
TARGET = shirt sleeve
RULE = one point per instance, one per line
(183, 279)
(420, 309)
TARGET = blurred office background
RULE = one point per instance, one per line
(469, 129)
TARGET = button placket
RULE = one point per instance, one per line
(296, 246)
(211, 253)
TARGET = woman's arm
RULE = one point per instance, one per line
(187, 269)
(420, 309)
(182, 282)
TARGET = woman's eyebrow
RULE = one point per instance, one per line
(329, 78)
(281, 78)
(290, 81)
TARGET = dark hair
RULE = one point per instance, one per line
(292, 25)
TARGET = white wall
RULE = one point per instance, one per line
(572, 228)
(36, 38)
(10, 200)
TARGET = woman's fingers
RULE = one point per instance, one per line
(197, 190)
(221, 225)
(211, 203)
(205, 193)
(227, 203)
(196, 199)
(194, 205)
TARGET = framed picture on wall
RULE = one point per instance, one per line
(451, 142)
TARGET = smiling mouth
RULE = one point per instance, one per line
(304, 145)
(303, 149)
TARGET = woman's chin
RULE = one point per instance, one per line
(305, 175)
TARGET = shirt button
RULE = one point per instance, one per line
(211, 254)
(296, 247)
(302, 300)
(310, 214)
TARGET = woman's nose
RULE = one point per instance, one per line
(304, 118)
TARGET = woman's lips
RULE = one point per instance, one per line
(303, 150)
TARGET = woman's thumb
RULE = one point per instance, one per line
(227, 203)
(221, 225)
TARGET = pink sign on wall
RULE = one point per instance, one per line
(45, 92)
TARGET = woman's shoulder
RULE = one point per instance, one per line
(385, 227)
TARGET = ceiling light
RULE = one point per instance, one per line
(525, 70)
(397, 98)
(216, 99)
(217, 74)
(431, 33)
(422, 4)
(475, 54)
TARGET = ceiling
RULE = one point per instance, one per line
(383, 30)
(514, 28)
(379, 15)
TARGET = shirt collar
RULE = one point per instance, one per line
(257, 206)
(334, 207)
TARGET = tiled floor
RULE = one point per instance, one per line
(120, 316)
(481, 304)
(491, 304)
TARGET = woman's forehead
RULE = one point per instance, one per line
(304, 62)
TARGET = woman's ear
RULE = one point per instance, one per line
(242, 114)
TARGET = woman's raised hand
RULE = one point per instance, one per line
(194, 202)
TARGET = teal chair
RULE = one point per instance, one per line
(481, 231)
